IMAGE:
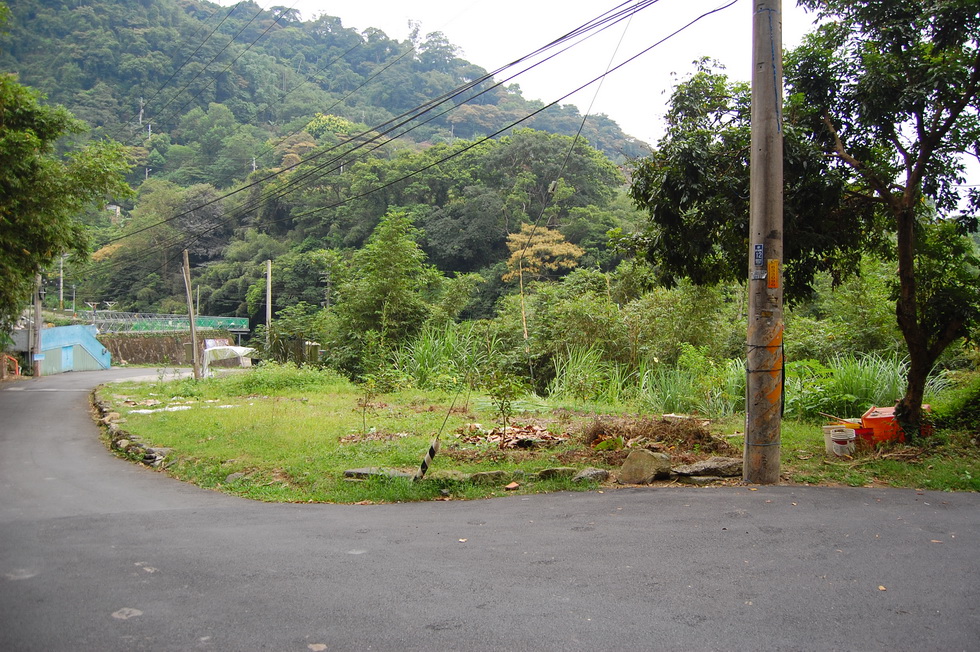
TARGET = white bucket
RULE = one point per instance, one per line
(843, 443)
(829, 432)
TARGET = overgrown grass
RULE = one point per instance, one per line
(695, 385)
(946, 461)
(447, 356)
(279, 433)
(849, 385)
(284, 434)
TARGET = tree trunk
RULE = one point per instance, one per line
(909, 408)
(908, 412)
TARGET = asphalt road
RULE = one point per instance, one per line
(99, 554)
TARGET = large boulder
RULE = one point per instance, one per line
(643, 467)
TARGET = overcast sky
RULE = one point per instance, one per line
(491, 33)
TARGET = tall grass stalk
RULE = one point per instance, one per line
(696, 385)
(666, 389)
(849, 385)
(580, 375)
(870, 379)
(446, 356)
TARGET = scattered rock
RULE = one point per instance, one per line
(512, 486)
(728, 467)
(591, 474)
(557, 472)
(234, 477)
(643, 467)
(376, 472)
(122, 444)
(489, 477)
(699, 480)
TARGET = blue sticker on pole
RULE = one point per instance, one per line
(759, 257)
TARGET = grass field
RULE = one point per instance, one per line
(279, 434)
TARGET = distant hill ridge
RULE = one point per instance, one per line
(142, 67)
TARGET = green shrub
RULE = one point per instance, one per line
(272, 377)
(848, 385)
(959, 407)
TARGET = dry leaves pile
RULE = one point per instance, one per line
(511, 437)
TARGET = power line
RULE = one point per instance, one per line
(424, 168)
(196, 50)
(174, 114)
(605, 20)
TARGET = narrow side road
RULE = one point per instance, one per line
(100, 554)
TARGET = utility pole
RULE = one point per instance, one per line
(764, 351)
(36, 330)
(190, 314)
(94, 305)
(61, 283)
(268, 304)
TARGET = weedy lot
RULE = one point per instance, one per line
(288, 435)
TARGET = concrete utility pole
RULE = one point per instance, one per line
(61, 283)
(268, 304)
(190, 314)
(36, 330)
(764, 355)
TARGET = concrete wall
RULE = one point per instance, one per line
(155, 348)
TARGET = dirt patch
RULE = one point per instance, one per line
(675, 435)
(596, 440)
(377, 435)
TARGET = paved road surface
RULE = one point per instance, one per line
(98, 554)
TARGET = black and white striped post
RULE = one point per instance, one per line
(433, 449)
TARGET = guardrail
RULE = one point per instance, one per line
(109, 321)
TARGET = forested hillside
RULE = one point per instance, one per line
(257, 136)
(131, 67)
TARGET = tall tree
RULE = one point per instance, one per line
(891, 90)
(383, 302)
(539, 253)
(883, 102)
(41, 192)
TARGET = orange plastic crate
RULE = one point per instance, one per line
(882, 422)
(884, 427)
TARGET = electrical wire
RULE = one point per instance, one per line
(401, 120)
(194, 53)
(462, 150)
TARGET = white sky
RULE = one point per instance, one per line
(493, 33)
